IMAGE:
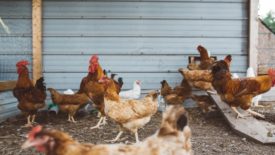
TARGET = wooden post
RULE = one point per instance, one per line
(253, 34)
(37, 38)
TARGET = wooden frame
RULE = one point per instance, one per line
(253, 35)
(37, 38)
(7, 85)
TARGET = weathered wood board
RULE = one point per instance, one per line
(249, 126)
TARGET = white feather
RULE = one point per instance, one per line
(133, 93)
(69, 92)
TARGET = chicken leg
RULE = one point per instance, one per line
(117, 137)
(33, 118)
(136, 135)
(69, 118)
(72, 119)
(98, 123)
(239, 115)
(29, 123)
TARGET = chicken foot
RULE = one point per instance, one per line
(239, 115)
(255, 113)
(117, 137)
(71, 118)
(100, 122)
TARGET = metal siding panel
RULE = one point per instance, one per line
(139, 40)
(17, 27)
(171, 28)
(15, 9)
(141, 45)
(190, 10)
(15, 45)
(8, 105)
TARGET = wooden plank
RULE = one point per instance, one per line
(37, 38)
(249, 126)
(253, 34)
(7, 85)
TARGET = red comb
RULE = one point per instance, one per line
(22, 63)
(34, 131)
(94, 58)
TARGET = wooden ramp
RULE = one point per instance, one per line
(249, 126)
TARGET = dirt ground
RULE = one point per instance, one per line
(210, 133)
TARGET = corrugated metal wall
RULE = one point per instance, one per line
(146, 40)
(14, 46)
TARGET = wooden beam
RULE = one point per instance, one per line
(253, 34)
(7, 85)
(37, 38)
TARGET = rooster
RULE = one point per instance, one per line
(133, 93)
(30, 97)
(240, 92)
(173, 138)
(69, 103)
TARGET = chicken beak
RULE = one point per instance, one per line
(35, 142)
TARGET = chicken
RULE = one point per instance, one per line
(176, 95)
(204, 102)
(200, 79)
(133, 93)
(173, 138)
(205, 60)
(30, 98)
(129, 114)
(69, 103)
(239, 92)
(95, 73)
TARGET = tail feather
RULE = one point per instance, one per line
(203, 53)
(113, 76)
(40, 84)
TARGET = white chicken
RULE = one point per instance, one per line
(250, 73)
(133, 93)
